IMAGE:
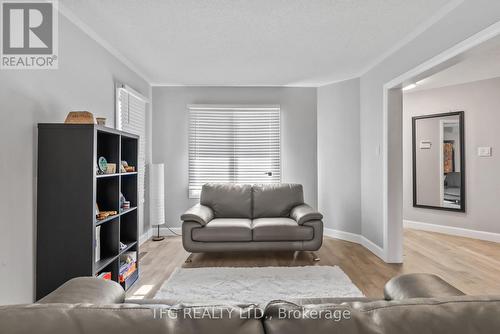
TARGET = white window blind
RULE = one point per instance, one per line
(240, 144)
(131, 117)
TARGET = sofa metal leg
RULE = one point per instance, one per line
(315, 257)
(189, 258)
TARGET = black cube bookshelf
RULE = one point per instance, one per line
(68, 190)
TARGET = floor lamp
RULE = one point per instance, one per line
(157, 197)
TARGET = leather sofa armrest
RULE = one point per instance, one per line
(304, 213)
(86, 290)
(199, 213)
(419, 286)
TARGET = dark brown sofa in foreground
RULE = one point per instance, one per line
(415, 304)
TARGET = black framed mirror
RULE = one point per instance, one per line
(439, 161)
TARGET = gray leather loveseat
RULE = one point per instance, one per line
(243, 217)
(415, 304)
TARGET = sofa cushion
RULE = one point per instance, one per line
(276, 200)
(419, 285)
(228, 200)
(224, 229)
(280, 229)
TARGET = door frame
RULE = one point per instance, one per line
(393, 143)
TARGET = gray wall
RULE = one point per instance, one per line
(170, 135)
(339, 185)
(468, 18)
(480, 101)
(85, 80)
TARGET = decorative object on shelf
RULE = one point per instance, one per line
(111, 168)
(80, 117)
(105, 214)
(122, 199)
(124, 204)
(157, 197)
(101, 121)
(122, 246)
(126, 167)
(102, 164)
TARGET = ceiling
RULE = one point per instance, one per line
(480, 63)
(252, 42)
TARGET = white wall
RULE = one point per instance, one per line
(170, 135)
(339, 167)
(480, 102)
(468, 18)
(85, 80)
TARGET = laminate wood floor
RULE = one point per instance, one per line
(471, 265)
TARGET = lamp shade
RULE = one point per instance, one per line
(157, 194)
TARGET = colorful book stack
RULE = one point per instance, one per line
(128, 266)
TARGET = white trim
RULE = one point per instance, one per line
(356, 238)
(451, 230)
(164, 231)
(170, 231)
(395, 254)
(145, 236)
(66, 12)
(372, 247)
(347, 236)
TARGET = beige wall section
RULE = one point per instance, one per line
(480, 102)
(339, 185)
(84, 81)
(170, 135)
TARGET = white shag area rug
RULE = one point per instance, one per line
(255, 285)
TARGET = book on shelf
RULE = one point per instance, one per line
(128, 265)
(129, 270)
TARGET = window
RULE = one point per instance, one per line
(131, 117)
(240, 144)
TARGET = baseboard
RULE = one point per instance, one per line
(457, 231)
(145, 236)
(166, 232)
(347, 236)
(171, 231)
(356, 238)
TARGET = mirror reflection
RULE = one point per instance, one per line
(438, 164)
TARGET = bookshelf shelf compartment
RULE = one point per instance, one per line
(66, 210)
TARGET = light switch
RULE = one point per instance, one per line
(425, 144)
(484, 151)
